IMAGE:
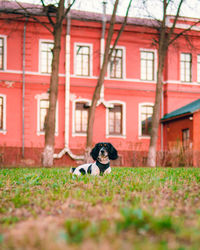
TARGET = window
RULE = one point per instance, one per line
(116, 64)
(186, 138)
(46, 56)
(42, 108)
(186, 69)
(2, 113)
(115, 120)
(145, 119)
(81, 117)
(1, 53)
(83, 60)
(147, 61)
(198, 68)
(44, 105)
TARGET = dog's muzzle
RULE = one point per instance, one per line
(103, 152)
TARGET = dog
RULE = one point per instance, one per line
(102, 153)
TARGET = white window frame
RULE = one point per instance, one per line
(74, 133)
(140, 119)
(183, 81)
(124, 64)
(39, 98)
(4, 131)
(91, 59)
(40, 55)
(198, 68)
(116, 102)
(5, 53)
(155, 63)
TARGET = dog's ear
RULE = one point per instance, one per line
(95, 152)
(112, 152)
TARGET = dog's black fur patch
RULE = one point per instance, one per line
(82, 170)
(89, 171)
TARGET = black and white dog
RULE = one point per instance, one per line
(102, 153)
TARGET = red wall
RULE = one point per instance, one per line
(131, 90)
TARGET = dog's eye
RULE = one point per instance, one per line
(105, 145)
(101, 145)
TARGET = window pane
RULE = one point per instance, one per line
(147, 65)
(83, 60)
(116, 64)
(146, 119)
(1, 52)
(1, 112)
(186, 61)
(46, 57)
(44, 105)
(81, 116)
(115, 120)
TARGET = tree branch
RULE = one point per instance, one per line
(33, 17)
(183, 32)
(121, 30)
(175, 20)
(48, 15)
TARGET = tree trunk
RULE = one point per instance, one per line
(151, 160)
(47, 157)
(96, 94)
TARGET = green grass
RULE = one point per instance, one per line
(131, 208)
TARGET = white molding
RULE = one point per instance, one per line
(181, 25)
(38, 98)
(4, 131)
(74, 133)
(123, 135)
(90, 45)
(140, 136)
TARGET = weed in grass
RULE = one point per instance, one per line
(9, 220)
(75, 230)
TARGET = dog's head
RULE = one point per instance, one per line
(104, 151)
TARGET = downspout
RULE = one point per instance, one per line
(102, 46)
(162, 126)
(67, 84)
(23, 82)
(67, 96)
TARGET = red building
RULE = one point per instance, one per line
(123, 115)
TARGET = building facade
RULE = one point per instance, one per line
(123, 114)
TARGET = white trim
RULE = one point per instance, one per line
(181, 25)
(74, 133)
(90, 45)
(140, 136)
(5, 53)
(123, 48)
(198, 68)
(40, 55)
(155, 63)
(110, 103)
(38, 98)
(4, 131)
(188, 53)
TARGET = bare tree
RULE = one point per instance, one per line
(166, 36)
(55, 14)
(107, 56)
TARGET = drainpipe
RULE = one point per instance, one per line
(162, 126)
(23, 82)
(102, 45)
(67, 96)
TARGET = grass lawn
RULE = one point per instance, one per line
(132, 208)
